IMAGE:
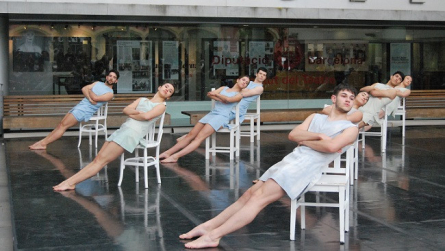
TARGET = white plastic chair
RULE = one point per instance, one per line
(95, 127)
(334, 180)
(382, 134)
(253, 118)
(234, 132)
(402, 112)
(145, 161)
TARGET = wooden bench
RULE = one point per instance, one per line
(271, 115)
(425, 104)
(46, 111)
(420, 104)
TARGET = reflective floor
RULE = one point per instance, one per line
(397, 202)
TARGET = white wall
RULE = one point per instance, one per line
(399, 10)
(430, 5)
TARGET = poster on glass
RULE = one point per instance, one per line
(170, 60)
(29, 52)
(134, 59)
(260, 55)
(225, 59)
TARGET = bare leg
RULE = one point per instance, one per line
(109, 152)
(183, 142)
(205, 132)
(68, 121)
(267, 193)
(223, 216)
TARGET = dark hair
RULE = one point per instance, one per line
(174, 85)
(115, 72)
(262, 69)
(400, 73)
(342, 87)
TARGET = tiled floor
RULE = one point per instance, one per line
(397, 203)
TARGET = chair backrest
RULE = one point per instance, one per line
(258, 104)
(401, 107)
(150, 136)
(102, 112)
(341, 167)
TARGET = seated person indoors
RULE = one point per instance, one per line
(141, 113)
(96, 95)
(226, 99)
(381, 95)
(320, 139)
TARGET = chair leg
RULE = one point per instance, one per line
(207, 147)
(97, 134)
(303, 213)
(232, 144)
(341, 208)
(158, 175)
(122, 167)
(258, 129)
(252, 130)
(293, 218)
(80, 135)
(145, 169)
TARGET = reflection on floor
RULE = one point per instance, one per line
(397, 203)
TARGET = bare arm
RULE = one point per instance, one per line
(86, 92)
(332, 145)
(252, 92)
(216, 95)
(368, 88)
(355, 117)
(327, 110)
(131, 111)
(404, 93)
(102, 98)
(301, 133)
(92, 97)
(390, 93)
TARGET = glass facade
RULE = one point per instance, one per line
(303, 62)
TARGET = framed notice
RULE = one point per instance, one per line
(261, 54)
(225, 59)
(400, 58)
(170, 60)
(135, 61)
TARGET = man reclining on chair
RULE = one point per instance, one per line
(381, 95)
(96, 95)
(321, 139)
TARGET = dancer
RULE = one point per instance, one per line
(381, 95)
(403, 92)
(354, 115)
(141, 113)
(253, 90)
(321, 139)
(219, 117)
(96, 95)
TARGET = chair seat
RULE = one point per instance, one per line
(97, 122)
(332, 180)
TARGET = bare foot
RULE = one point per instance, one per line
(181, 138)
(64, 186)
(164, 155)
(37, 146)
(203, 242)
(195, 232)
(255, 181)
(170, 159)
